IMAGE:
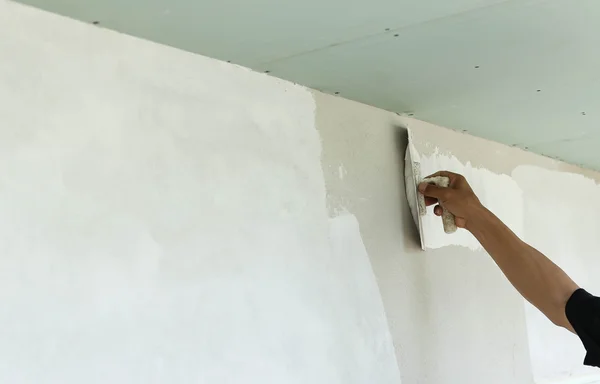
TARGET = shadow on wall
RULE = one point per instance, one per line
(401, 140)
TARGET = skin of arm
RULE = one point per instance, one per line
(537, 278)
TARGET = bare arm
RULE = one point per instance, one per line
(536, 277)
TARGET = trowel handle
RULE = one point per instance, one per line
(447, 217)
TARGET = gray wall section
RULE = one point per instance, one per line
(453, 316)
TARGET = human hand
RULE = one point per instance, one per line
(458, 198)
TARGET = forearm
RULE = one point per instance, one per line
(536, 277)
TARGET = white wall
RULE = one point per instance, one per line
(163, 220)
(167, 218)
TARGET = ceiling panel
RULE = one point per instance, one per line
(256, 31)
(526, 73)
(520, 72)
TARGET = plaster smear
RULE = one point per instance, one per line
(163, 220)
(354, 285)
(498, 192)
(563, 222)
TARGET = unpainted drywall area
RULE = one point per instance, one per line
(555, 219)
(163, 220)
(453, 316)
(444, 326)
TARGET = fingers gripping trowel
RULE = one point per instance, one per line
(416, 200)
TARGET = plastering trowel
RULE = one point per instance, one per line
(416, 200)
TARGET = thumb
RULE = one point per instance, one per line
(431, 190)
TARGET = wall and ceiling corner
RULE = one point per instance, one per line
(498, 69)
(173, 216)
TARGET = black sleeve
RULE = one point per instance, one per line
(583, 312)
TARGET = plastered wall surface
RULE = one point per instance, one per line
(170, 218)
(163, 220)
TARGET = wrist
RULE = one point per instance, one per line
(477, 218)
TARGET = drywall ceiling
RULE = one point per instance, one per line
(525, 73)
